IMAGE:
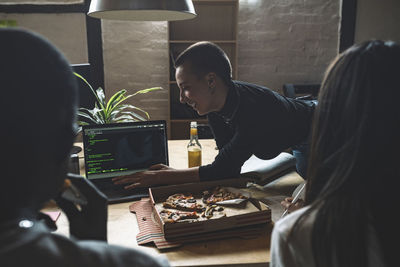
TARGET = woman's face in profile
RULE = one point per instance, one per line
(193, 90)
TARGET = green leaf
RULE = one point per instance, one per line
(120, 108)
(99, 115)
(116, 97)
(125, 118)
(88, 84)
(116, 111)
(81, 123)
(99, 112)
(84, 110)
(124, 110)
(112, 103)
(88, 115)
(112, 110)
(101, 96)
(143, 111)
(135, 115)
(119, 121)
(145, 91)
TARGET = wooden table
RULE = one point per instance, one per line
(123, 228)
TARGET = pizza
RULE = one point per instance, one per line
(184, 207)
(169, 216)
(183, 202)
(213, 211)
(219, 194)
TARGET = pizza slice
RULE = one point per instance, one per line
(219, 194)
(213, 211)
(183, 202)
(169, 216)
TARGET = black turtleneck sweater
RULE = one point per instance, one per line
(254, 120)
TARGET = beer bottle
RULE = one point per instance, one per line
(194, 147)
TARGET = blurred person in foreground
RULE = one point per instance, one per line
(349, 218)
(39, 106)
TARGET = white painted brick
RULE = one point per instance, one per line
(287, 41)
(279, 41)
(136, 57)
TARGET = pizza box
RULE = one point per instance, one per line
(250, 212)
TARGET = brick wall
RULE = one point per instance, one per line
(286, 41)
(136, 57)
(66, 31)
(279, 41)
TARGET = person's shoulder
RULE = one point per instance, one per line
(41, 247)
(285, 225)
(213, 116)
(119, 256)
(242, 86)
(98, 253)
(294, 243)
(256, 97)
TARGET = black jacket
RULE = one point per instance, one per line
(254, 120)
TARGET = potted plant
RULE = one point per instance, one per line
(114, 110)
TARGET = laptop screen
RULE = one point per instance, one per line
(119, 149)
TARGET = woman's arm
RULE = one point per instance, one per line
(159, 174)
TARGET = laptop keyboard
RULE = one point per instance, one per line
(107, 184)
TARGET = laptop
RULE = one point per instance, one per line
(118, 149)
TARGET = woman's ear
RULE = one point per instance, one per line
(211, 80)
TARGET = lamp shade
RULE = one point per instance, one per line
(143, 10)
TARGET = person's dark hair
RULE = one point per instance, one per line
(205, 57)
(39, 98)
(353, 173)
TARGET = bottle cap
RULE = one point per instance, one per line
(193, 124)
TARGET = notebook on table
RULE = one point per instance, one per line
(112, 150)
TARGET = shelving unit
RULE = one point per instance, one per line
(216, 21)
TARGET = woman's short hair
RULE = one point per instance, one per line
(205, 57)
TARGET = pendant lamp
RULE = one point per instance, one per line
(142, 10)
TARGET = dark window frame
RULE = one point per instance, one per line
(93, 32)
(347, 24)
